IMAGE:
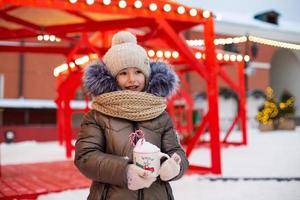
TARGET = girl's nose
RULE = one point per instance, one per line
(131, 77)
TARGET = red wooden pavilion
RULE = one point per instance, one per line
(87, 26)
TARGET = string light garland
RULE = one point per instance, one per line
(48, 38)
(205, 14)
(242, 39)
(81, 61)
(167, 7)
(161, 54)
(199, 55)
(152, 54)
(274, 43)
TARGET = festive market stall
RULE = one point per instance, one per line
(84, 29)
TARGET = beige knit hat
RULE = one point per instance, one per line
(125, 52)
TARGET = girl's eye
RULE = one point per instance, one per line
(138, 72)
(122, 73)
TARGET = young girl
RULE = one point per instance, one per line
(129, 98)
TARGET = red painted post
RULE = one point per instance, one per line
(182, 47)
(236, 119)
(68, 129)
(185, 93)
(188, 112)
(192, 143)
(59, 113)
(212, 92)
(242, 101)
(59, 121)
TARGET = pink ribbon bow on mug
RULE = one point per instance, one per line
(134, 135)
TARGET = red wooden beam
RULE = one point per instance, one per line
(199, 169)
(242, 102)
(240, 89)
(59, 119)
(9, 8)
(76, 13)
(80, 27)
(179, 42)
(231, 127)
(1, 4)
(16, 34)
(183, 82)
(83, 43)
(178, 26)
(130, 10)
(154, 33)
(68, 130)
(212, 96)
(44, 49)
(103, 25)
(2, 29)
(197, 135)
(27, 25)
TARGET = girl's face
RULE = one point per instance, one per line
(131, 78)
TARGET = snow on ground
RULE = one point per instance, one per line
(31, 152)
(270, 161)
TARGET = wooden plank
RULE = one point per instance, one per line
(20, 189)
(6, 190)
(27, 181)
(30, 182)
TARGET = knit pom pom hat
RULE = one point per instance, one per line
(125, 52)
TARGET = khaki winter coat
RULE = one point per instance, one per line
(103, 149)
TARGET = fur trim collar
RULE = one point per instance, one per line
(97, 80)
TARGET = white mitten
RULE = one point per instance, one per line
(170, 168)
(137, 178)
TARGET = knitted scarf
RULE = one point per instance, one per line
(135, 106)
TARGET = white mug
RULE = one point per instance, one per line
(149, 161)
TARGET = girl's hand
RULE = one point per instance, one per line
(170, 168)
(137, 178)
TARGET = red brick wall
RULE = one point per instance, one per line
(259, 80)
(9, 66)
(39, 81)
(39, 69)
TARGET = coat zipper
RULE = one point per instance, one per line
(105, 191)
(140, 191)
(169, 196)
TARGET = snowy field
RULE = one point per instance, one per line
(268, 168)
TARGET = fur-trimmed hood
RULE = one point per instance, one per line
(98, 80)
